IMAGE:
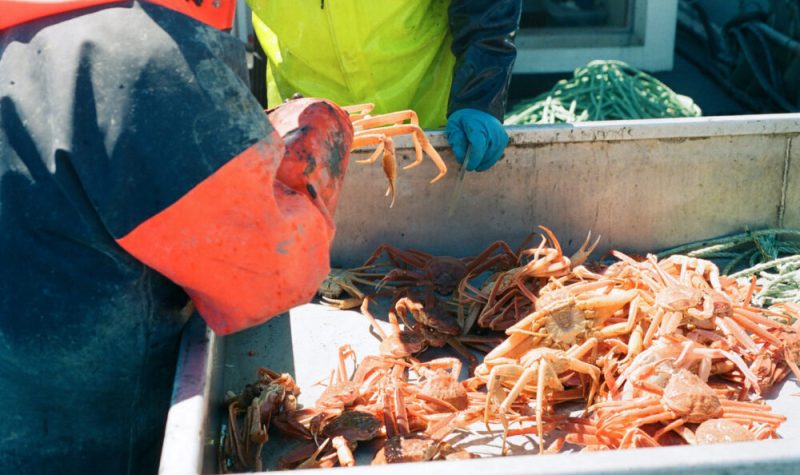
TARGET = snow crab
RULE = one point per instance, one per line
(432, 326)
(686, 399)
(271, 394)
(442, 274)
(379, 129)
(510, 293)
(345, 281)
(545, 366)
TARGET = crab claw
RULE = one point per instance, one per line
(585, 250)
(313, 461)
(342, 304)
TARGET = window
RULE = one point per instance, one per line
(561, 35)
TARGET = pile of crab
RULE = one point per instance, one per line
(456, 302)
(660, 352)
(408, 405)
(638, 353)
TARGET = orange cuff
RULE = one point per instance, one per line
(243, 246)
(253, 240)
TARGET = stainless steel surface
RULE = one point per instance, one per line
(462, 172)
(643, 185)
(193, 420)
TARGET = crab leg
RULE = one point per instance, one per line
(494, 390)
(731, 328)
(674, 425)
(584, 251)
(392, 118)
(390, 169)
(385, 146)
(463, 351)
(759, 318)
(516, 343)
(403, 129)
(357, 111)
(345, 351)
(374, 323)
(539, 398)
(414, 130)
(370, 139)
(343, 451)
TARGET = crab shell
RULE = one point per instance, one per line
(691, 398)
(403, 344)
(678, 298)
(716, 431)
(566, 321)
(443, 386)
(445, 273)
(354, 426)
(406, 448)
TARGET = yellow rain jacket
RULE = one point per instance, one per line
(398, 54)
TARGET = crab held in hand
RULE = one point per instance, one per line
(379, 129)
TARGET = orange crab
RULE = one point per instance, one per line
(379, 129)
(686, 398)
(535, 372)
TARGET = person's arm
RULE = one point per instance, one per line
(189, 175)
(483, 44)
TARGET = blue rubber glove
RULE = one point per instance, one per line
(482, 131)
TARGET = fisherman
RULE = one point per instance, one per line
(138, 171)
(450, 61)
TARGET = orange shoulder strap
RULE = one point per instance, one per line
(215, 13)
(16, 12)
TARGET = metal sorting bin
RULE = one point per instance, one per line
(644, 185)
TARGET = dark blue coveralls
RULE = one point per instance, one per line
(137, 168)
